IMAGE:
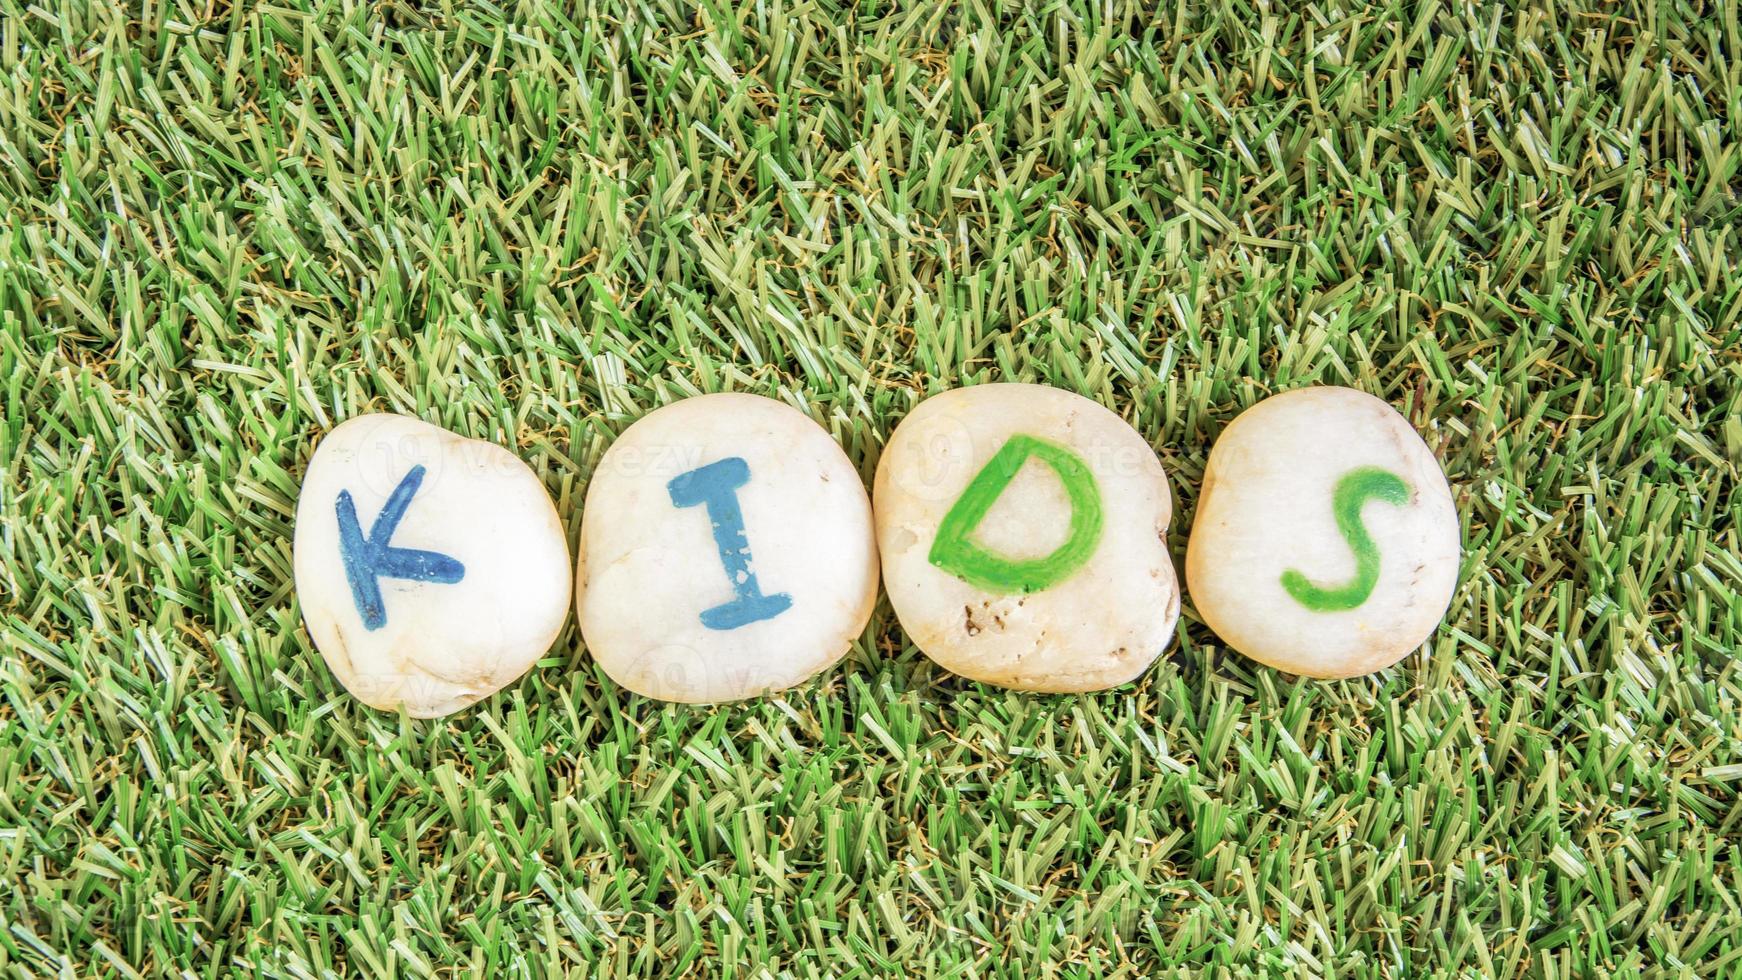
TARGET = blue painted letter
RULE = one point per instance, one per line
(371, 558)
(715, 486)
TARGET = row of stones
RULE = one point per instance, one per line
(728, 547)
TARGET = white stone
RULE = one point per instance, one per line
(651, 567)
(1086, 626)
(1268, 516)
(439, 641)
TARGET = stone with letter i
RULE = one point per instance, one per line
(715, 487)
(783, 591)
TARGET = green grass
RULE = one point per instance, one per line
(228, 226)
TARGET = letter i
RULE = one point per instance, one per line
(715, 486)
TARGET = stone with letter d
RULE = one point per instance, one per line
(1023, 531)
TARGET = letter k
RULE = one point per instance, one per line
(369, 559)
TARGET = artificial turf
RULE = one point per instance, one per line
(229, 226)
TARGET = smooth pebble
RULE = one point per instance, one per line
(1325, 541)
(1023, 531)
(431, 568)
(726, 551)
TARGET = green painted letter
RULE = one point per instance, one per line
(954, 553)
(1353, 491)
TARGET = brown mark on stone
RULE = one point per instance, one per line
(343, 651)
